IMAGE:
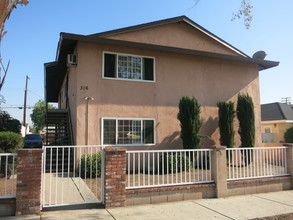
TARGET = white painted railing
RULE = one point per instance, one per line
(7, 175)
(72, 175)
(154, 168)
(256, 162)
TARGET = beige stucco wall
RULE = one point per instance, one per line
(180, 35)
(209, 80)
(278, 129)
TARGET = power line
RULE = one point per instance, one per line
(35, 93)
(286, 100)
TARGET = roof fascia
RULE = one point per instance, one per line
(273, 122)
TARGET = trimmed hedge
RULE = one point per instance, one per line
(190, 123)
(288, 136)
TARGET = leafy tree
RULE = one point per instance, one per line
(245, 115)
(189, 117)
(226, 117)
(10, 142)
(7, 123)
(288, 136)
(38, 114)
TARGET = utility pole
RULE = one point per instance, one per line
(286, 100)
(24, 105)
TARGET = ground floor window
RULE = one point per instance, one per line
(128, 131)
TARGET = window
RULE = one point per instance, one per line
(267, 130)
(128, 131)
(128, 67)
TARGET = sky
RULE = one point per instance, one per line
(33, 32)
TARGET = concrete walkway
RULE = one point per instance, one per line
(65, 190)
(237, 207)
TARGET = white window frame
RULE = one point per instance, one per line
(126, 145)
(116, 73)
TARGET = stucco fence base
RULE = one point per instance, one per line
(262, 185)
(205, 191)
(7, 207)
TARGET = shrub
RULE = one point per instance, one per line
(245, 115)
(10, 142)
(172, 159)
(226, 117)
(91, 165)
(189, 117)
(288, 136)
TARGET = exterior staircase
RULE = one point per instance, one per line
(58, 133)
(58, 127)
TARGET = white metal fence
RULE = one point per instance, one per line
(153, 168)
(7, 175)
(72, 175)
(257, 162)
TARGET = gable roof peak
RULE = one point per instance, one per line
(178, 19)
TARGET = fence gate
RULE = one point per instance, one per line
(72, 175)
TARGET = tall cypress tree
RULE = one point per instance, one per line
(226, 117)
(245, 115)
(189, 117)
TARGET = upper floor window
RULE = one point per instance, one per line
(128, 67)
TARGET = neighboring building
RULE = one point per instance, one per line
(122, 87)
(276, 118)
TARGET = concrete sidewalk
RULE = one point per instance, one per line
(237, 207)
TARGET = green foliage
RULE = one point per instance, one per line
(182, 161)
(7, 123)
(245, 115)
(91, 165)
(288, 136)
(189, 117)
(39, 113)
(10, 142)
(226, 117)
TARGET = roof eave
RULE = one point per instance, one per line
(263, 64)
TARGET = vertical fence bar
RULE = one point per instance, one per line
(79, 172)
(91, 172)
(167, 158)
(133, 168)
(185, 166)
(149, 168)
(128, 156)
(13, 173)
(138, 161)
(143, 162)
(50, 177)
(5, 176)
(180, 157)
(172, 167)
(163, 166)
(153, 168)
(56, 173)
(158, 166)
(189, 166)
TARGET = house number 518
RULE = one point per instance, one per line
(84, 88)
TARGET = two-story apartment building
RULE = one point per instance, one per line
(122, 87)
